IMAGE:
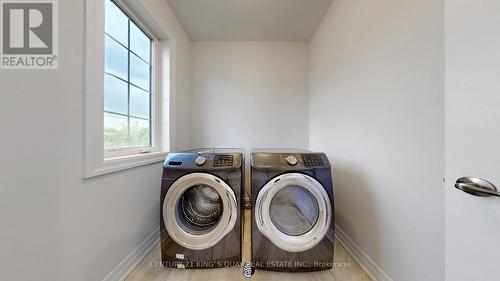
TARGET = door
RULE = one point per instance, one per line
(472, 106)
(199, 210)
(293, 211)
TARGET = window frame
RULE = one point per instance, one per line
(95, 161)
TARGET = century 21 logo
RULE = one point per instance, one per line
(27, 28)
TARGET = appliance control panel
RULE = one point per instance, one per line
(223, 160)
(313, 160)
(203, 160)
(289, 161)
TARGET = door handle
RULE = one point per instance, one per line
(477, 187)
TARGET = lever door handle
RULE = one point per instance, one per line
(477, 187)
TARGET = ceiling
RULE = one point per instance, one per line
(250, 20)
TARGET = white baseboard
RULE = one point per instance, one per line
(369, 266)
(130, 262)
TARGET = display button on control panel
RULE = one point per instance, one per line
(312, 160)
(223, 160)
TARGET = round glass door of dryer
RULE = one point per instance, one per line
(293, 211)
(199, 210)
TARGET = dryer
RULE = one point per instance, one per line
(292, 211)
(200, 220)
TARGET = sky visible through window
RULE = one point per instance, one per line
(127, 82)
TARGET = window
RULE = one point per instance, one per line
(128, 99)
(128, 49)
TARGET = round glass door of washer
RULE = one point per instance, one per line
(199, 209)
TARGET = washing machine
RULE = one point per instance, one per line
(292, 210)
(200, 225)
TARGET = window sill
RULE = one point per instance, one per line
(112, 165)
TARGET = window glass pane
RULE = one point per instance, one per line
(116, 58)
(139, 42)
(139, 72)
(139, 133)
(127, 97)
(139, 102)
(115, 95)
(294, 210)
(115, 131)
(116, 23)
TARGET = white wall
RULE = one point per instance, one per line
(55, 225)
(250, 94)
(376, 108)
